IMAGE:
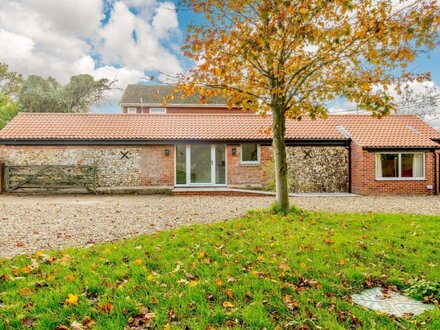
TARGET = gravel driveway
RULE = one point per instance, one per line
(29, 223)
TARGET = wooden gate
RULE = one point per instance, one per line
(49, 177)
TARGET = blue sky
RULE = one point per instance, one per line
(125, 40)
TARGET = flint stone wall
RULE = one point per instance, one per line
(113, 168)
(318, 169)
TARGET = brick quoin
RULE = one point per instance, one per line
(363, 182)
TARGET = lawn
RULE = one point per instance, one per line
(264, 270)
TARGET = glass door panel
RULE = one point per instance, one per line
(180, 164)
(200, 163)
(220, 164)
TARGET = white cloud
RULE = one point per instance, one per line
(61, 38)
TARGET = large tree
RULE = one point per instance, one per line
(48, 95)
(290, 58)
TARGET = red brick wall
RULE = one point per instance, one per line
(247, 175)
(155, 168)
(363, 181)
(177, 110)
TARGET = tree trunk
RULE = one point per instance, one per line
(279, 153)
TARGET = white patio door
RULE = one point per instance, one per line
(200, 164)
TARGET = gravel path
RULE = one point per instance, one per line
(29, 223)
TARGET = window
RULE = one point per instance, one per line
(132, 110)
(250, 153)
(400, 166)
(160, 111)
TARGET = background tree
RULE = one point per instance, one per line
(290, 58)
(47, 95)
(8, 109)
(423, 101)
(9, 81)
(9, 84)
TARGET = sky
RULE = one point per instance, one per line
(127, 40)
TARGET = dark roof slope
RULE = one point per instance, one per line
(154, 94)
(389, 132)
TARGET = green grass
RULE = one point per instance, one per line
(289, 271)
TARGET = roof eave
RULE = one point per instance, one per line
(177, 105)
(390, 148)
(64, 142)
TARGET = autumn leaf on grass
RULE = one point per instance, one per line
(106, 308)
(26, 269)
(291, 304)
(228, 304)
(138, 262)
(72, 300)
(25, 292)
(328, 241)
(342, 262)
(61, 327)
(150, 277)
(70, 278)
(218, 281)
(192, 283)
(284, 267)
(153, 301)
(229, 293)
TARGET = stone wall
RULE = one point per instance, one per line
(318, 169)
(116, 166)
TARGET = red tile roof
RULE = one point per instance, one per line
(389, 132)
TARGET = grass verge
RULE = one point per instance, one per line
(264, 270)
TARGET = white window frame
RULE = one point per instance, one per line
(400, 178)
(158, 111)
(252, 162)
(131, 110)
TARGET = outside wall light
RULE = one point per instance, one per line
(167, 152)
(234, 151)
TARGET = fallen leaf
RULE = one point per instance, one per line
(27, 322)
(19, 244)
(153, 300)
(342, 262)
(230, 294)
(87, 322)
(328, 241)
(26, 269)
(106, 308)
(141, 321)
(192, 283)
(150, 277)
(72, 300)
(138, 262)
(61, 327)
(218, 281)
(228, 304)
(172, 315)
(70, 278)
(283, 266)
(25, 292)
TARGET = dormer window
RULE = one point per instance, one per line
(131, 110)
(158, 111)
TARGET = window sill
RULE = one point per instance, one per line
(401, 179)
(250, 164)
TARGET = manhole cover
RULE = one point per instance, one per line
(390, 303)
